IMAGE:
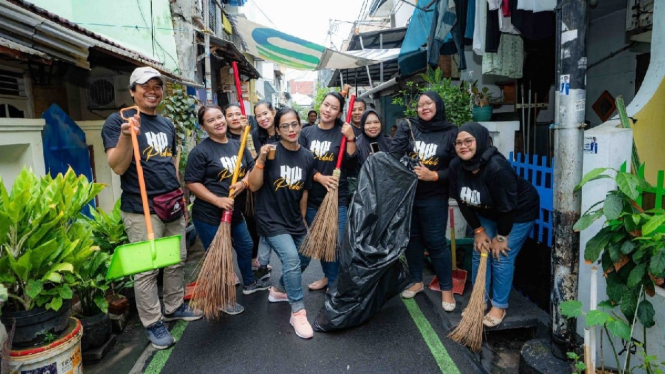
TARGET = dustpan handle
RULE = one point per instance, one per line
(139, 172)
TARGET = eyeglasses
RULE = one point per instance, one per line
(285, 126)
(427, 103)
(467, 142)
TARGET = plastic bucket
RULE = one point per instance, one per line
(138, 257)
(63, 355)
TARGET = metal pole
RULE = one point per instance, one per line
(206, 40)
(369, 76)
(528, 123)
(572, 21)
(524, 140)
(381, 66)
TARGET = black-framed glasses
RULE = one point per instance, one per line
(285, 126)
(466, 142)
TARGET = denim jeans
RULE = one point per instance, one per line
(242, 243)
(286, 247)
(264, 251)
(500, 273)
(428, 231)
(330, 269)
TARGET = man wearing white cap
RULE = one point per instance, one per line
(157, 144)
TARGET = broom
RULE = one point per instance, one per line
(469, 332)
(322, 237)
(215, 285)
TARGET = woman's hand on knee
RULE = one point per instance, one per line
(499, 248)
(481, 242)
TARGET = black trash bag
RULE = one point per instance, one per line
(376, 235)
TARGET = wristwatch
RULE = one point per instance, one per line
(501, 238)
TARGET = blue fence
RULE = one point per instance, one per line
(540, 174)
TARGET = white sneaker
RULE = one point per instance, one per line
(301, 324)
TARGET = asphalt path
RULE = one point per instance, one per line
(404, 337)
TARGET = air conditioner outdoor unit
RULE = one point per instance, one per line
(101, 92)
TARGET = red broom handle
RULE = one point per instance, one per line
(236, 75)
(342, 148)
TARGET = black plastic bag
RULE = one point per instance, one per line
(376, 235)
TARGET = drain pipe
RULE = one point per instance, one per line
(572, 22)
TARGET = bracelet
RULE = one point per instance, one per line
(259, 166)
(478, 230)
(352, 140)
(436, 176)
(245, 183)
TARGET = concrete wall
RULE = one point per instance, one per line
(103, 172)
(127, 22)
(617, 74)
(20, 146)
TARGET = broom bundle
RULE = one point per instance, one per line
(469, 332)
(215, 286)
(323, 235)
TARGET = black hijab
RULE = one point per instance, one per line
(438, 122)
(484, 151)
(363, 143)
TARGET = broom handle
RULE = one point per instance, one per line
(139, 172)
(342, 148)
(453, 245)
(228, 214)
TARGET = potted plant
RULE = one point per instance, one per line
(457, 99)
(482, 103)
(43, 241)
(91, 288)
(630, 249)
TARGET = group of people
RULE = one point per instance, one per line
(289, 171)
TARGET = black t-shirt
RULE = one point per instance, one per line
(496, 192)
(325, 145)
(157, 144)
(212, 164)
(278, 201)
(436, 149)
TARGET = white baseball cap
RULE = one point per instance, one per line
(144, 74)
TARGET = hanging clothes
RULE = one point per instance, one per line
(492, 32)
(544, 6)
(533, 26)
(480, 24)
(509, 59)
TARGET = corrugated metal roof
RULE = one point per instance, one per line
(230, 52)
(22, 48)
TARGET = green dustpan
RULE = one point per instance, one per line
(148, 255)
(138, 257)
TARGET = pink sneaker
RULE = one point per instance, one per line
(301, 325)
(274, 296)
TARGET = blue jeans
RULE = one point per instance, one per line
(286, 247)
(264, 252)
(500, 273)
(330, 269)
(428, 230)
(242, 243)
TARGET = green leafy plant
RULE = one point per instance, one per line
(49, 337)
(108, 230)
(91, 284)
(43, 240)
(614, 325)
(481, 97)
(580, 366)
(179, 107)
(457, 99)
(630, 246)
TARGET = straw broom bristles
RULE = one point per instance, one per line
(469, 332)
(215, 286)
(322, 236)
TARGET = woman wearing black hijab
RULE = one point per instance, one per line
(429, 137)
(498, 204)
(371, 140)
